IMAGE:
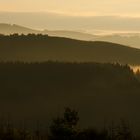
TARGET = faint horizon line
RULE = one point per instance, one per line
(77, 14)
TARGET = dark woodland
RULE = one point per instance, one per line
(54, 88)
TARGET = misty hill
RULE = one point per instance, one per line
(13, 28)
(70, 34)
(51, 20)
(8, 29)
(129, 39)
(37, 48)
(39, 91)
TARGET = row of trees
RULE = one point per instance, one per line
(22, 35)
(66, 128)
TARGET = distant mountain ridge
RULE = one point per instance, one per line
(131, 39)
(13, 28)
(70, 34)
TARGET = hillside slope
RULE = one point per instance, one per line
(13, 28)
(36, 91)
(42, 48)
(129, 39)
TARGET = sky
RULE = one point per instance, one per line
(103, 16)
(74, 7)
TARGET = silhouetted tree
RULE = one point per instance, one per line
(64, 128)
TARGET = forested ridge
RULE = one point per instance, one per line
(40, 75)
(38, 48)
(38, 91)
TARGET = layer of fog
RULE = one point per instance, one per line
(93, 24)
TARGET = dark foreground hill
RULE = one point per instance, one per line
(101, 92)
(38, 48)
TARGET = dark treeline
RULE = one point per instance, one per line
(50, 76)
(66, 127)
(38, 48)
(38, 91)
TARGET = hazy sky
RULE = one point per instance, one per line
(83, 15)
(75, 7)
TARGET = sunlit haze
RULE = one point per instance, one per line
(92, 16)
(74, 7)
